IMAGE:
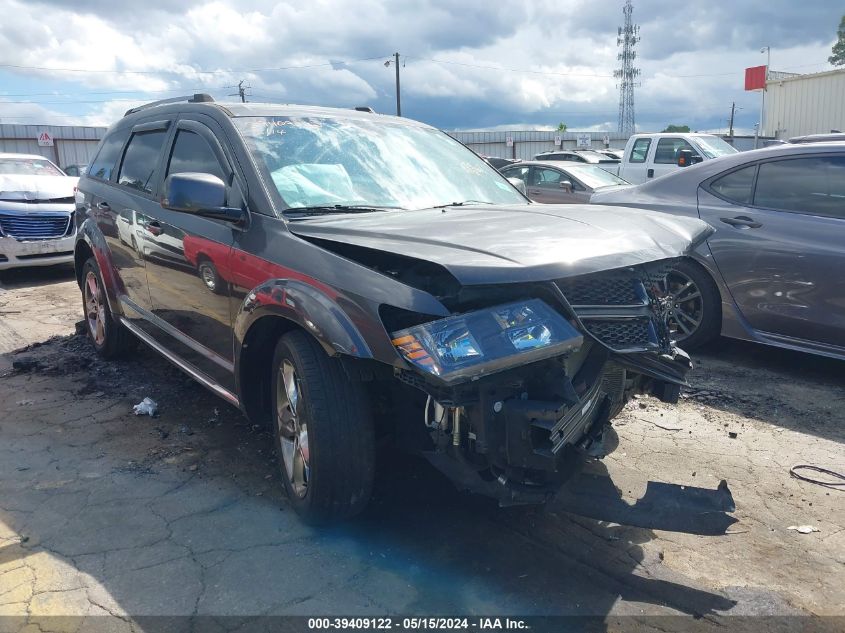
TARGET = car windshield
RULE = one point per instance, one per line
(713, 146)
(331, 163)
(28, 167)
(595, 177)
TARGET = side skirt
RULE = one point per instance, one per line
(189, 369)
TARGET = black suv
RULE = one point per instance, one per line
(349, 277)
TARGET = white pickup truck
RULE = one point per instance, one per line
(648, 156)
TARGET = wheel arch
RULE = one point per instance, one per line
(90, 243)
(267, 313)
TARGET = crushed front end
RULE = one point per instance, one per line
(519, 385)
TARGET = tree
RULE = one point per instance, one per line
(561, 127)
(838, 50)
(676, 129)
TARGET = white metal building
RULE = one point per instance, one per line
(804, 104)
(71, 144)
(526, 144)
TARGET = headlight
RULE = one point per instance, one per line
(487, 340)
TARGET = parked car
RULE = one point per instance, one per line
(648, 156)
(499, 163)
(613, 153)
(36, 207)
(559, 182)
(381, 281)
(772, 271)
(818, 138)
(577, 156)
(75, 170)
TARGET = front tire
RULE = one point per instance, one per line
(324, 432)
(109, 337)
(696, 316)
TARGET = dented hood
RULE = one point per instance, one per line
(22, 188)
(494, 244)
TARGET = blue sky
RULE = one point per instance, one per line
(469, 65)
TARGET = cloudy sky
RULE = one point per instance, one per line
(466, 65)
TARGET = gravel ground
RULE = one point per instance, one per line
(103, 513)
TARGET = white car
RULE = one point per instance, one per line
(648, 156)
(36, 212)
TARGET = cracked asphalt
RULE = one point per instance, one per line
(103, 513)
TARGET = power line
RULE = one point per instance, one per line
(194, 70)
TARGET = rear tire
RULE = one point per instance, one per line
(324, 432)
(696, 299)
(108, 335)
(210, 278)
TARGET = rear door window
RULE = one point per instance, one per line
(517, 172)
(815, 186)
(640, 150)
(140, 161)
(737, 186)
(104, 163)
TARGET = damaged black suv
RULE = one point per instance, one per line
(349, 277)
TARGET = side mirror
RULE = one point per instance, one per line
(687, 158)
(201, 194)
(519, 183)
(566, 185)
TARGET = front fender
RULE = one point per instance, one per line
(309, 308)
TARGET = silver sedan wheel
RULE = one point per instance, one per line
(293, 431)
(686, 307)
(95, 309)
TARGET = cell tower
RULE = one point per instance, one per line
(627, 37)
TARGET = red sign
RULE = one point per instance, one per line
(755, 78)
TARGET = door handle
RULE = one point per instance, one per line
(103, 205)
(154, 228)
(650, 173)
(742, 222)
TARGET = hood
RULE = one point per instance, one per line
(21, 188)
(498, 244)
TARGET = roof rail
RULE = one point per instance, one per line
(365, 109)
(199, 97)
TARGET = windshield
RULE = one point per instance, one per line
(594, 176)
(327, 162)
(28, 167)
(713, 146)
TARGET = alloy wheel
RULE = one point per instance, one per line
(293, 431)
(95, 309)
(686, 305)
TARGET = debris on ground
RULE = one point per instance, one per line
(147, 406)
(732, 434)
(804, 529)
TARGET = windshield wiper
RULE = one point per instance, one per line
(462, 204)
(340, 208)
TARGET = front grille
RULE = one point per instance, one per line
(35, 226)
(623, 334)
(604, 290)
(617, 307)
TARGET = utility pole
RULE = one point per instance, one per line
(760, 129)
(398, 97)
(395, 62)
(241, 91)
(731, 133)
